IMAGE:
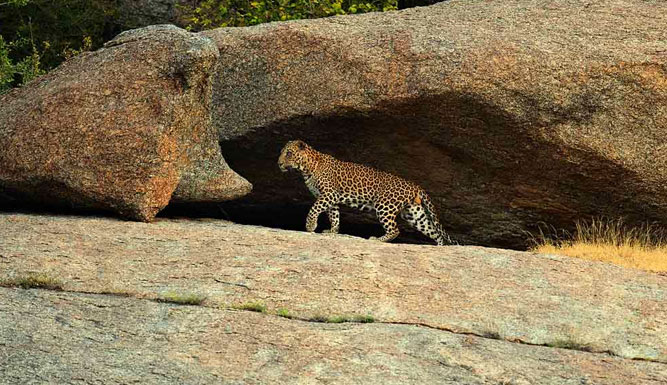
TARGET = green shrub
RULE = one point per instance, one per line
(209, 14)
(37, 35)
(6, 67)
(282, 312)
(28, 67)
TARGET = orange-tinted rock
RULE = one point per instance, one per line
(509, 113)
(125, 128)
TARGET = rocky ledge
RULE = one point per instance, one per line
(440, 314)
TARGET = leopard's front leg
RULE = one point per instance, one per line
(323, 203)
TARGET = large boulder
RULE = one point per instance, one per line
(126, 128)
(510, 113)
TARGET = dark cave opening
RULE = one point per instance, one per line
(494, 179)
(290, 217)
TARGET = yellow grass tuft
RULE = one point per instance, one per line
(643, 247)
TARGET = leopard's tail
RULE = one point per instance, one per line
(442, 238)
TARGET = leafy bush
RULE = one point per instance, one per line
(6, 66)
(209, 14)
(27, 68)
(37, 35)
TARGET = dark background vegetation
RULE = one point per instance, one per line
(37, 35)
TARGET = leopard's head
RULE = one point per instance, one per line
(297, 155)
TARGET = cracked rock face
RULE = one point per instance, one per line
(126, 128)
(442, 314)
(69, 337)
(508, 113)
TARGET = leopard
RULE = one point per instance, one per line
(334, 183)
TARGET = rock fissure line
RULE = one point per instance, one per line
(138, 296)
(517, 340)
(232, 283)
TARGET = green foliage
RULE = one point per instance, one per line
(22, 71)
(207, 14)
(364, 319)
(6, 67)
(16, 3)
(282, 312)
(181, 298)
(41, 281)
(251, 306)
(37, 35)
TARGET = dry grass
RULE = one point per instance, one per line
(643, 247)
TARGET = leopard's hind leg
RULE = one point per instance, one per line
(387, 215)
(417, 217)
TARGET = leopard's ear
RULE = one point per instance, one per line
(300, 145)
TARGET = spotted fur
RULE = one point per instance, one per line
(334, 182)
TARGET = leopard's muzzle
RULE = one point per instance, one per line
(284, 167)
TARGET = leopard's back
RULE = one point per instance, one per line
(359, 184)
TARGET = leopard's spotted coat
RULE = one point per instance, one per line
(334, 182)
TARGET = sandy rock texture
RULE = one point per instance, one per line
(442, 314)
(126, 128)
(508, 112)
(82, 338)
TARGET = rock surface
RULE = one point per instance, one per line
(140, 13)
(126, 128)
(82, 338)
(509, 113)
(441, 313)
